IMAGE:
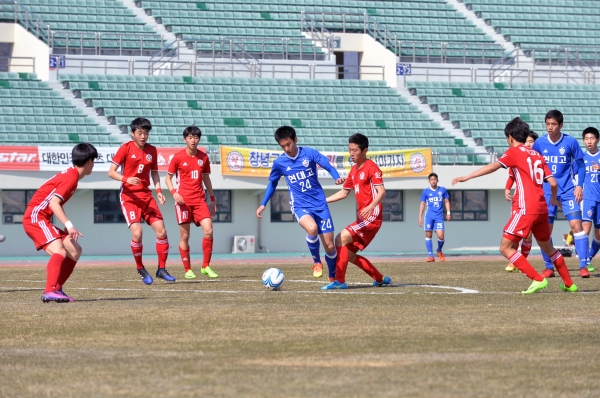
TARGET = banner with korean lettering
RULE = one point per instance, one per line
(393, 163)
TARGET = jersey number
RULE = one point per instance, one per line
(356, 189)
(305, 185)
(594, 177)
(325, 224)
(132, 215)
(194, 174)
(535, 171)
(140, 168)
(184, 214)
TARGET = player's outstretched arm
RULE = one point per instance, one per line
(485, 170)
(339, 195)
(578, 193)
(323, 161)
(156, 181)
(553, 191)
(268, 194)
(208, 184)
(56, 207)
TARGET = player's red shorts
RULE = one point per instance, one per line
(42, 232)
(188, 213)
(137, 209)
(519, 226)
(363, 232)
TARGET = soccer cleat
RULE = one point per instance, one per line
(317, 270)
(71, 299)
(189, 274)
(536, 287)
(510, 267)
(208, 271)
(590, 267)
(573, 288)
(54, 296)
(431, 260)
(441, 256)
(163, 274)
(146, 278)
(584, 273)
(335, 285)
(386, 281)
(548, 273)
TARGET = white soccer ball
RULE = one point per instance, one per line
(2, 238)
(273, 279)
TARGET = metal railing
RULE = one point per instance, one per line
(510, 75)
(90, 43)
(463, 158)
(17, 64)
(29, 20)
(329, 23)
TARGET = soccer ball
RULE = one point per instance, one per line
(273, 279)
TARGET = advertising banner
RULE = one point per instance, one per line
(246, 162)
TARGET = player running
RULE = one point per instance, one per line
(590, 205)
(192, 168)
(138, 162)
(307, 199)
(526, 244)
(529, 211)
(366, 180)
(432, 199)
(564, 158)
(60, 244)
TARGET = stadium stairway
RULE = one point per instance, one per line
(482, 110)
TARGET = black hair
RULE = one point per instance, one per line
(140, 123)
(517, 129)
(361, 140)
(533, 135)
(284, 132)
(591, 130)
(556, 115)
(432, 175)
(82, 153)
(192, 130)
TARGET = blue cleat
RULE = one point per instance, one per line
(146, 278)
(335, 285)
(386, 281)
(163, 274)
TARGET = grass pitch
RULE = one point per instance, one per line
(459, 328)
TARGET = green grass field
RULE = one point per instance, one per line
(460, 328)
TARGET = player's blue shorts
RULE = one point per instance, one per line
(321, 216)
(569, 206)
(434, 224)
(590, 210)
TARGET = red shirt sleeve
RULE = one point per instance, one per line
(376, 175)
(508, 159)
(349, 184)
(121, 155)
(154, 165)
(206, 167)
(510, 181)
(173, 165)
(66, 183)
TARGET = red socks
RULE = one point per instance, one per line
(52, 272)
(136, 249)
(559, 262)
(369, 268)
(341, 264)
(162, 250)
(185, 258)
(525, 248)
(523, 265)
(207, 248)
(66, 269)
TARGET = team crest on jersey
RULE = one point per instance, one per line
(362, 175)
(149, 157)
(377, 175)
(562, 150)
(305, 162)
(200, 162)
(590, 213)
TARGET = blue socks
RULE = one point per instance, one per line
(547, 261)
(593, 249)
(440, 245)
(314, 245)
(330, 259)
(429, 246)
(581, 245)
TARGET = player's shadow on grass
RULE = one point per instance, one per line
(111, 299)
(21, 290)
(365, 286)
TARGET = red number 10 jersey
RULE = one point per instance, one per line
(189, 170)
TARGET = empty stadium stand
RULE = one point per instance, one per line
(34, 114)
(483, 109)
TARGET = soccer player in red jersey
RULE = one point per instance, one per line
(60, 244)
(366, 180)
(138, 163)
(529, 210)
(192, 168)
(526, 245)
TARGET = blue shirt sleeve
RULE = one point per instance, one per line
(446, 196)
(273, 181)
(323, 161)
(423, 196)
(580, 167)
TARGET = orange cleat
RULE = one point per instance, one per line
(317, 270)
(548, 273)
(431, 260)
(584, 273)
(441, 256)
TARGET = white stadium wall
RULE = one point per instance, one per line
(107, 239)
(26, 45)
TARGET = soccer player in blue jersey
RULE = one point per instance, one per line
(590, 206)
(564, 158)
(433, 201)
(307, 199)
